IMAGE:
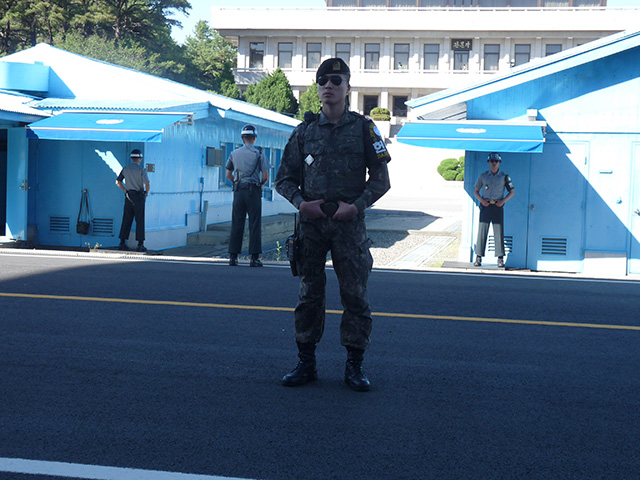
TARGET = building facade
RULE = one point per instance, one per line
(568, 130)
(400, 50)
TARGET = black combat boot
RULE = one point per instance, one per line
(353, 374)
(305, 371)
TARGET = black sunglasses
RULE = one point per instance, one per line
(335, 79)
(494, 161)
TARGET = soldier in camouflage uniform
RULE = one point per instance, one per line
(324, 174)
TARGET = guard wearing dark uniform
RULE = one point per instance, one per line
(333, 167)
(136, 187)
(489, 191)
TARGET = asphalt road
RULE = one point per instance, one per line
(175, 367)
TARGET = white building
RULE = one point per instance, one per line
(399, 50)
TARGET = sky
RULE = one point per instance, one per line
(201, 10)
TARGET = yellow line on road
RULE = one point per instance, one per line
(336, 312)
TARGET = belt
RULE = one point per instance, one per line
(248, 185)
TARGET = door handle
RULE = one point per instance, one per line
(533, 207)
(637, 211)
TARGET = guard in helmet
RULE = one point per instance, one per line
(134, 182)
(489, 190)
(248, 169)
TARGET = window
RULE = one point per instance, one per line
(314, 54)
(285, 54)
(370, 102)
(374, 3)
(222, 171)
(491, 57)
(431, 56)
(343, 51)
(523, 54)
(552, 48)
(371, 56)
(401, 56)
(256, 54)
(399, 107)
(402, 3)
(461, 60)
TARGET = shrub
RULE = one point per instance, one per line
(452, 169)
(380, 114)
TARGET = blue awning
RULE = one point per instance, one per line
(105, 127)
(479, 136)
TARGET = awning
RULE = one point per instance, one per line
(479, 136)
(105, 127)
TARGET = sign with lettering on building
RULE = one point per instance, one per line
(461, 44)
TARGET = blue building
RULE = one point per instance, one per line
(568, 129)
(68, 124)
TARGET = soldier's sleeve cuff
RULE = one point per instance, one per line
(297, 200)
(360, 205)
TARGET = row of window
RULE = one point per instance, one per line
(401, 53)
(465, 3)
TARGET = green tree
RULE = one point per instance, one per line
(309, 101)
(132, 56)
(211, 58)
(274, 93)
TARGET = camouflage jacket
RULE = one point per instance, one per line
(333, 161)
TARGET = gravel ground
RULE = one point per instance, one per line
(387, 248)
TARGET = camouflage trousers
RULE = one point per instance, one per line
(352, 262)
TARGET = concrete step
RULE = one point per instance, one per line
(275, 229)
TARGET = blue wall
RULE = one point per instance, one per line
(181, 182)
(579, 190)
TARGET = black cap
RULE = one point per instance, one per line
(333, 65)
(135, 153)
(249, 130)
(494, 156)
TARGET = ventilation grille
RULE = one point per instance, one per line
(554, 246)
(59, 224)
(103, 227)
(508, 243)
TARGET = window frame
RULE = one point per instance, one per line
(486, 55)
(339, 53)
(281, 51)
(396, 53)
(318, 52)
(517, 54)
(253, 55)
(368, 60)
(429, 54)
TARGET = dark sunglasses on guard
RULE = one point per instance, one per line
(335, 79)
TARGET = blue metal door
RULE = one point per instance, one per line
(17, 184)
(556, 208)
(634, 224)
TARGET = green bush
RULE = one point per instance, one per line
(452, 169)
(380, 114)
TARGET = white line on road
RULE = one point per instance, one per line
(94, 472)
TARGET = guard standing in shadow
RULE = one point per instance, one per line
(136, 188)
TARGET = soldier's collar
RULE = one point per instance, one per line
(346, 118)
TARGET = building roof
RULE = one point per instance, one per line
(565, 60)
(80, 82)
(13, 107)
